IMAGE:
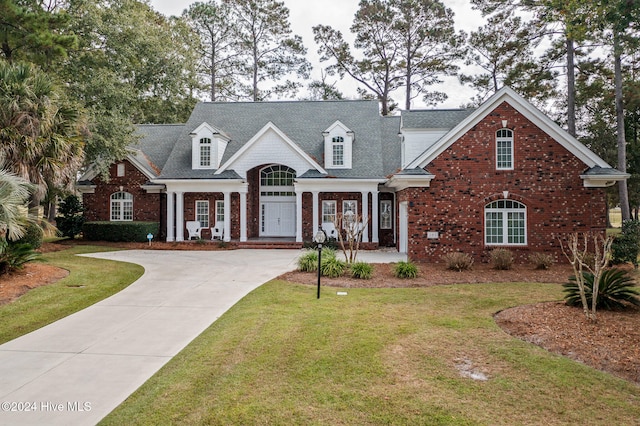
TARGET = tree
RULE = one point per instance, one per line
(406, 43)
(218, 47)
(41, 132)
(576, 250)
(497, 48)
(323, 90)
(71, 219)
(267, 49)
(14, 194)
(35, 31)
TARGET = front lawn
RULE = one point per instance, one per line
(90, 280)
(376, 356)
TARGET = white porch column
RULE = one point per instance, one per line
(315, 211)
(171, 218)
(365, 216)
(227, 216)
(375, 218)
(179, 216)
(243, 215)
(298, 217)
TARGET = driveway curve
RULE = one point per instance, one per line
(76, 370)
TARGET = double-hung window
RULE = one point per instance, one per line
(219, 212)
(337, 146)
(328, 211)
(504, 149)
(205, 152)
(202, 213)
(349, 213)
(505, 223)
(121, 206)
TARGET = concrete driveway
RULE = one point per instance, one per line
(76, 370)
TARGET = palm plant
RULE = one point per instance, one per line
(616, 290)
(14, 193)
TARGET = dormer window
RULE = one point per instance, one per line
(338, 146)
(207, 147)
(205, 152)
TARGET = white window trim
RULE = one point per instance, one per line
(198, 215)
(337, 141)
(121, 202)
(219, 212)
(511, 141)
(202, 144)
(355, 211)
(120, 170)
(504, 211)
(335, 210)
(390, 204)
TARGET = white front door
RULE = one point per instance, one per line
(278, 219)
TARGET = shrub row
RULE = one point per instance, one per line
(120, 231)
(501, 259)
(333, 267)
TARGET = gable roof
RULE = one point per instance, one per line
(538, 118)
(301, 121)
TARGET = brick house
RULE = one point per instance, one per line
(427, 181)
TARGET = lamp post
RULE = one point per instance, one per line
(319, 239)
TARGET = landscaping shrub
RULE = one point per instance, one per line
(361, 270)
(542, 260)
(308, 262)
(457, 261)
(33, 235)
(14, 256)
(501, 258)
(626, 246)
(617, 289)
(120, 231)
(70, 221)
(332, 267)
(405, 269)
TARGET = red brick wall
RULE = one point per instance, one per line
(146, 207)
(546, 179)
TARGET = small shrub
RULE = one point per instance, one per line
(501, 259)
(542, 260)
(308, 262)
(70, 221)
(361, 270)
(120, 231)
(33, 235)
(405, 270)
(626, 246)
(332, 267)
(457, 261)
(15, 256)
(616, 290)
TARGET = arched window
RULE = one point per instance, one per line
(337, 147)
(205, 152)
(277, 181)
(121, 206)
(504, 149)
(505, 223)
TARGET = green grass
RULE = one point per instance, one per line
(376, 356)
(90, 280)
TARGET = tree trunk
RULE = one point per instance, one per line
(213, 74)
(571, 88)
(622, 143)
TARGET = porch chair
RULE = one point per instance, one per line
(217, 232)
(330, 229)
(193, 226)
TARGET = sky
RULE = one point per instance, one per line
(304, 14)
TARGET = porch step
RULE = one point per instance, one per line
(269, 245)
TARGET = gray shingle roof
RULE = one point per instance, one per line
(302, 121)
(434, 119)
(156, 143)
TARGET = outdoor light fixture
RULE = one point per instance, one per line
(319, 239)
